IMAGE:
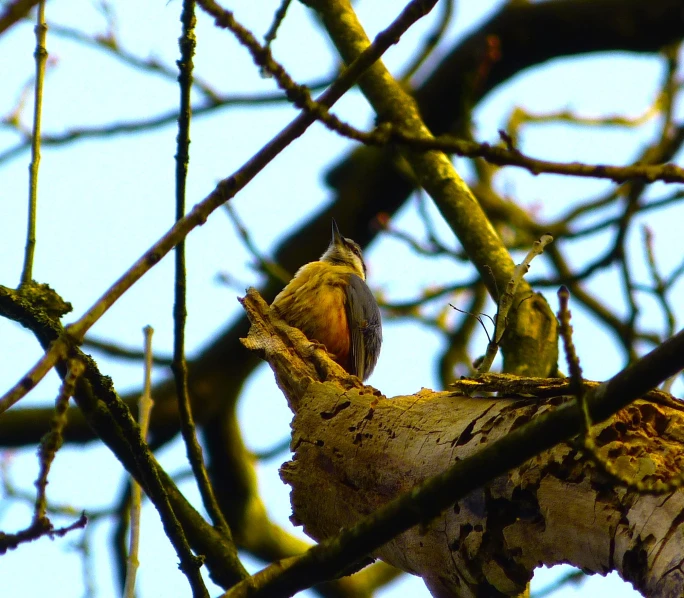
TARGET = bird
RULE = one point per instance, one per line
(330, 302)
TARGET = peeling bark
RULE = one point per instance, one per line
(355, 450)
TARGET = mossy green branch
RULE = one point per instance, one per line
(435, 173)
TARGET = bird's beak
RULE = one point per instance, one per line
(337, 238)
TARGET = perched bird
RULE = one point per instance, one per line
(330, 303)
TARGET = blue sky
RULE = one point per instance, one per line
(102, 203)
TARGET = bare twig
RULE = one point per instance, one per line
(116, 350)
(299, 95)
(38, 530)
(180, 369)
(277, 21)
(109, 44)
(266, 265)
(431, 41)
(520, 116)
(668, 173)
(145, 409)
(506, 302)
(57, 352)
(41, 59)
(427, 295)
(565, 333)
(52, 441)
(431, 249)
(147, 124)
(224, 191)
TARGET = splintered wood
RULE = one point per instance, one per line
(355, 450)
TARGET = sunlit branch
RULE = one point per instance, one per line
(505, 302)
(437, 493)
(145, 408)
(41, 59)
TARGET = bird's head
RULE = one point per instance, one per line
(344, 252)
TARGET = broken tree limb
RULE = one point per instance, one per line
(357, 451)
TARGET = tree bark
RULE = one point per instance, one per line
(355, 450)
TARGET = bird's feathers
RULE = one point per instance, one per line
(331, 304)
(365, 327)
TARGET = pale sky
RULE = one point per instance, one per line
(102, 203)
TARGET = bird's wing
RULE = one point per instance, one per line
(365, 327)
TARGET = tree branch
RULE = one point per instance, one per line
(408, 459)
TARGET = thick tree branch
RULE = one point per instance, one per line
(408, 459)
(113, 423)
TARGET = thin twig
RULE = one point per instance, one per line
(428, 222)
(187, 44)
(38, 530)
(656, 204)
(40, 525)
(203, 108)
(431, 41)
(502, 156)
(225, 190)
(430, 249)
(52, 441)
(573, 578)
(57, 352)
(506, 302)
(116, 350)
(41, 56)
(277, 21)
(565, 332)
(109, 44)
(145, 408)
(271, 268)
(429, 294)
(299, 95)
(520, 116)
(659, 290)
(274, 451)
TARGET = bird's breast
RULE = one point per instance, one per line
(314, 301)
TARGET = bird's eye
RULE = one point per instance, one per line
(354, 248)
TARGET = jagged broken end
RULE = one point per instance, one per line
(294, 359)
